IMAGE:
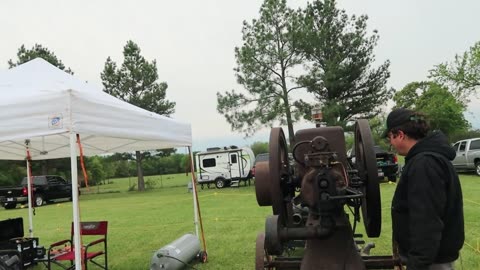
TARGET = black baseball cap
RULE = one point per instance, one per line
(397, 118)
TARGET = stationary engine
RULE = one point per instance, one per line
(309, 228)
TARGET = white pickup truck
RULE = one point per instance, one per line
(468, 155)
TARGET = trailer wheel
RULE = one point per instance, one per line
(477, 168)
(219, 183)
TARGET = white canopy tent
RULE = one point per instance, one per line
(44, 108)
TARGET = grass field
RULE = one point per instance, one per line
(141, 223)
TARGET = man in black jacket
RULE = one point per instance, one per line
(427, 207)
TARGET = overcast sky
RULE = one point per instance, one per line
(193, 43)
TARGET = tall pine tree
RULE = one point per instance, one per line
(25, 55)
(135, 82)
(340, 72)
(265, 68)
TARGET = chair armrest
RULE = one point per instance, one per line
(56, 244)
(59, 243)
(94, 243)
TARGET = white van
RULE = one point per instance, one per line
(224, 166)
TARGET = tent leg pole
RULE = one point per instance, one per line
(29, 189)
(76, 212)
(197, 204)
(194, 194)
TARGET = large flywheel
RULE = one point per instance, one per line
(366, 164)
(279, 168)
(271, 177)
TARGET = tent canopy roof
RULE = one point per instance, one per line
(42, 104)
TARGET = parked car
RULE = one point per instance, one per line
(387, 162)
(45, 188)
(468, 155)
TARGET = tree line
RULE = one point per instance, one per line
(99, 168)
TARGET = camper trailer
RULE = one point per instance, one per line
(224, 166)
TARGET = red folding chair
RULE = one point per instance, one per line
(62, 251)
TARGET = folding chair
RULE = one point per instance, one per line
(63, 251)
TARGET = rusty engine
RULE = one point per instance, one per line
(309, 228)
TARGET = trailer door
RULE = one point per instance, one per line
(234, 165)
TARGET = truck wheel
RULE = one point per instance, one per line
(219, 183)
(477, 168)
(10, 205)
(39, 201)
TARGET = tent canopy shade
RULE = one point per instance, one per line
(42, 104)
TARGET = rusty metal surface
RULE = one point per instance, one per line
(263, 184)
(336, 252)
(366, 164)
(334, 136)
(262, 259)
(273, 241)
(325, 183)
(279, 170)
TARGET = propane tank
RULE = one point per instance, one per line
(176, 254)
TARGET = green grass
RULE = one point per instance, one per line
(141, 223)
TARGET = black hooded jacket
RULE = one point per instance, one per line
(427, 208)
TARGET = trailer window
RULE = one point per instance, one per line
(233, 158)
(209, 162)
(474, 145)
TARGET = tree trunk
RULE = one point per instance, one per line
(44, 167)
(141, 182)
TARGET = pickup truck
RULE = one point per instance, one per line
(387, 163)
(45, 188)
(468, 155)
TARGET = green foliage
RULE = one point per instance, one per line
(25, 55)
(99, 168)
(150, 184)
(135, 81)
(462, 76)
(96, 171)
(259, 147)
(377, 126)
(349, 139)
(462, 135)
(132, 187)
(445, 112)
(265, 68)
(340, 73)
(12, 172)
(165, 152)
